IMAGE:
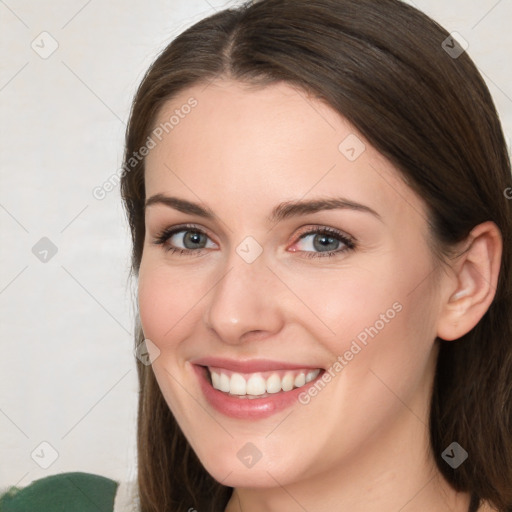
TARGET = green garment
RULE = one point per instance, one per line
(66, 492)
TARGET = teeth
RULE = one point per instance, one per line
(300, 380)
(259, 384)
(273, 384)
(287, 382)
(224, 383)
(256, 385)
(238, 386)
(215, 380)
(311, 375)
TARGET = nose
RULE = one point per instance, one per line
(244, 303)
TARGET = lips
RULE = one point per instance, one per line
(253, 389)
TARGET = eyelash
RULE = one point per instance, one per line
(349, 242)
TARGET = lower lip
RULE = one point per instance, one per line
(248, 408)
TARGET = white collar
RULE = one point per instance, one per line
(127, 497)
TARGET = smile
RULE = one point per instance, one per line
(254, 389)
(260, 384)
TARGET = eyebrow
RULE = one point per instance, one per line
(279, 213)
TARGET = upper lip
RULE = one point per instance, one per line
(250, 365)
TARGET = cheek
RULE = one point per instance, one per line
(338, 305)
(166, 303)
(380, 313)
(167, 311)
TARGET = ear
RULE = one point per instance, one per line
(473, 285)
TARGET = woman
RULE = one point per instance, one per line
(317, 196)
(262, 119)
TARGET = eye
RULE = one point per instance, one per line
(323, 242)
(184, 240)
(319, 242)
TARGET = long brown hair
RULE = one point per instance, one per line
(388, 69)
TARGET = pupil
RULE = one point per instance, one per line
(325, 243)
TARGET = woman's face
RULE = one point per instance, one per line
(296, 246)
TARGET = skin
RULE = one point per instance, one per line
(362, 443)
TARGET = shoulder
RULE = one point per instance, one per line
(80, 492)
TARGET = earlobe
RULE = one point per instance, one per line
(474, 283)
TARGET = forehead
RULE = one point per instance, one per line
(224, 138)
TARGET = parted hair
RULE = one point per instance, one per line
(391, 71)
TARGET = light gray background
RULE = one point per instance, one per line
(67, 373)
